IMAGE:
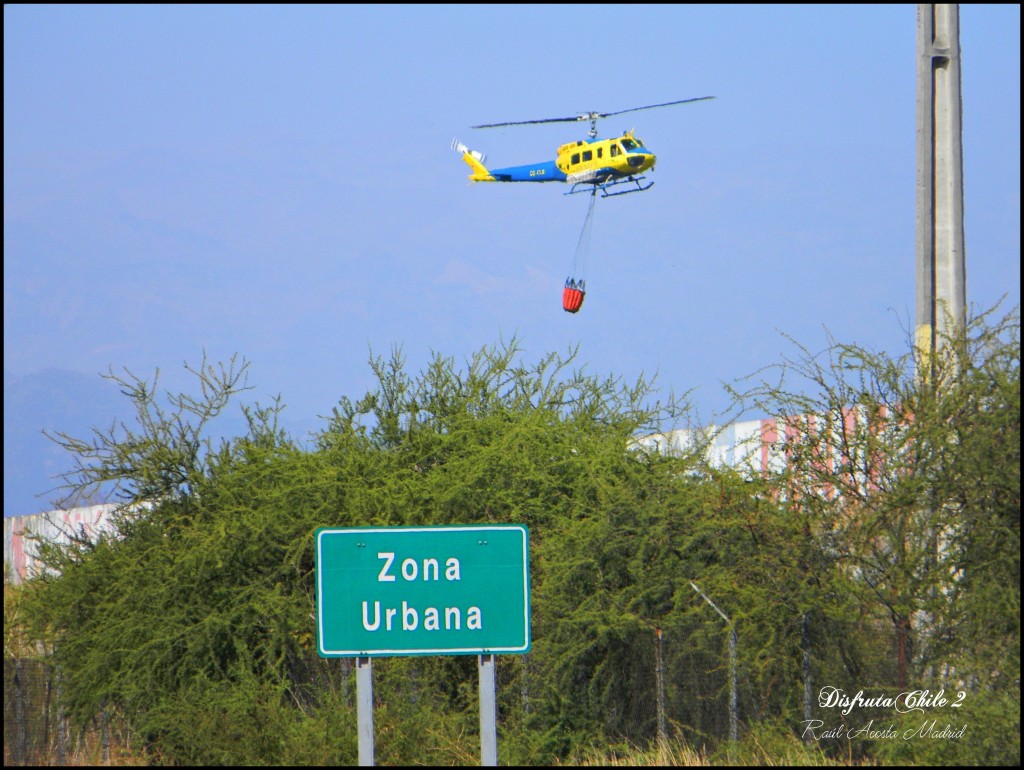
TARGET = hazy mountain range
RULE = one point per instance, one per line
(51, 400)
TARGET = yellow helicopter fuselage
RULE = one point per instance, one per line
(598, 162)
(588, 159)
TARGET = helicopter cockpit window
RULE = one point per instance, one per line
(615, 150)
(629, 144)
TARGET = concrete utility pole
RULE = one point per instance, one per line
(941, 271)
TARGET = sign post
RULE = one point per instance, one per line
(364, 710)
(445, 590)
(488, 713)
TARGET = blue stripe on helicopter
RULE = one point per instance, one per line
(535, 172)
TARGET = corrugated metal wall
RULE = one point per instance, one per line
(750, 445)
(54, 526)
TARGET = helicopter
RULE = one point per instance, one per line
(587, 165)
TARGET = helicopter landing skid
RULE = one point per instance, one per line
(593, 187)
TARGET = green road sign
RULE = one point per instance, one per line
(459, 590)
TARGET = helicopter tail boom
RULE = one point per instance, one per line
(475, 160)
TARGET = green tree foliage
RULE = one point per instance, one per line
(166, 452)
(885, 549)
(203, 601)
(906, 473)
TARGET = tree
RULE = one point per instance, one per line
(197, 615)
(896, 515)
(910, 486)
(167, 452)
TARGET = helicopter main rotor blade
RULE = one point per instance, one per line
(573, 119)
(652, 106)
(592, 116)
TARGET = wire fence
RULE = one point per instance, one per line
(693, 681)
(37, 730)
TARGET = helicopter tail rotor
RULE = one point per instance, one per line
(475, 160)
(460, 147)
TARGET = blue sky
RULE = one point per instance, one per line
(277, 182)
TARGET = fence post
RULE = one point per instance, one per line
(104, 735)
(805, 640)
(19, 751)
(734, 703)
(659, 672)
(63, 741)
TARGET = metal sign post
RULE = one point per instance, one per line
(364, 710)
(488, 713)
(453, 590)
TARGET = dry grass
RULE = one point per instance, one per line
(679, 754)
(88, 752)
(675, 754)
